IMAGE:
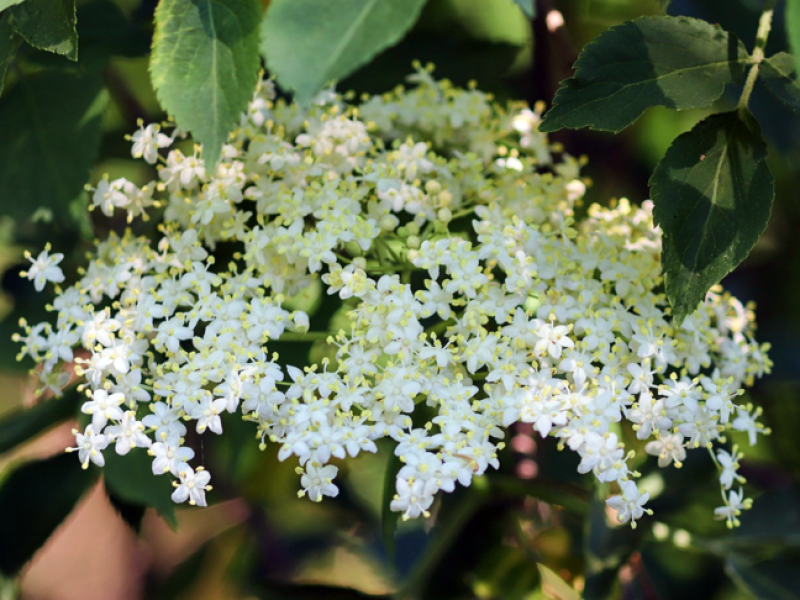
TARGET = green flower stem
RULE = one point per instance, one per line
(764, 27)
(311, 336)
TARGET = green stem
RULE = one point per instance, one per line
(463, 212)
(311, 336)
(764, 27)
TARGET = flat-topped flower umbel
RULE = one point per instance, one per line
(469, 290)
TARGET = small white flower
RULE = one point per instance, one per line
(630, 505)
(44, 268)
(192, 486)
(318, 482)
(90, 446)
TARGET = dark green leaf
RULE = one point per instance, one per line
(388, 517)
(712, 195)
(205, 65)
(34, 500)
(4, 4)
(48, 25)
(528, 7)
(21, 425)
(779, 75)
(49, 138)
(130, 478)
(8, 48)
(308, 43)
(793, 29)
(774, 579)
(676, 62)
(129, 512)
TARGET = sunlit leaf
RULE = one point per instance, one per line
(793, 29)
(528, 7)
(676, 62)
(712, 196)
(205, 65)
(308, 43)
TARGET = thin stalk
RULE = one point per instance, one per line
(762, 35)
(311, 336)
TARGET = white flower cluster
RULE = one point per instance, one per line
(472, 299)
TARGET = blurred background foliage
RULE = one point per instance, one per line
(536, 529)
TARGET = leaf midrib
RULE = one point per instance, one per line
(625, 86)
(349, 33)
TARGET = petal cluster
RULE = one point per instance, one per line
(472, 298)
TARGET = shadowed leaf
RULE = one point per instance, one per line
(676, 62)
(712, 195)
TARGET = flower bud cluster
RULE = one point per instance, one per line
(471, 298)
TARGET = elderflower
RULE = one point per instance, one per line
(468, 288)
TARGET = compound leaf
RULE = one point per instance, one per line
(205, 65)
(677, 62)
(779, 75)
(308, 43)
(712, 195)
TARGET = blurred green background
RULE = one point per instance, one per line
(500, 539)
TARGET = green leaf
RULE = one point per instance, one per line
(205, 65)
(779, 75)
(308, 43)
(557, 587)
(21, 425)
(8, 48)
(677, 62)
(48, 25)
(528, 7)
(4, 4)
(793, 29)
(774, 579)
(388, 517)
(130, 478)
(131, 513)
(49, 138)
(712, 195)
(34, 500)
